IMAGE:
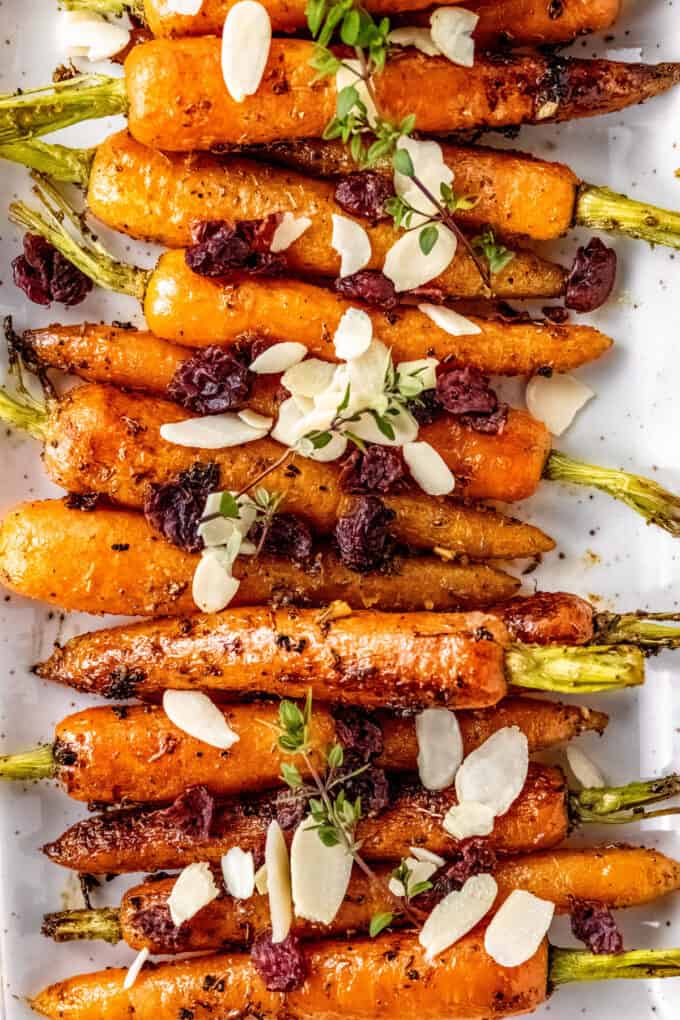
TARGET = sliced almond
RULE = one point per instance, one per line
(452, 29)
(278, 357)
(324, 454)
(238, 871)
(518, 928)
(584, 768)
(495, 772)
(89, 35)
(255, 420)
(288, 428)
(211, 432)
(308, 378)
(194, 889)
(462, 821)
(450, 321)
(429, 167)
(186, 7)
(261, 880)
(135, 968)
(429, 469)
(353, 335)
(457, 914)
(277, 863)
(213, 586)
(556, 400)
(288, 231)
(440, 747)
(420, 38)
(403, 425)
(320, 875)
(422, 854)
(194, 713)
(419, 871)
(352, 243)
(246, 41)
(406, 265)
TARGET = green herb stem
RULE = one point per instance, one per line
(569, 965)
(76, 925)
(618, 805)
(110, 8)
(38, 763)
(574, 669)
(41, 111)
(649, 499)
(27, 415)
(604, 209)
(649, 631)
(70, 166)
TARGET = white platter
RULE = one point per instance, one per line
(604, 549)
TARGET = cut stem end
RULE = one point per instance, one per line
(76, 925)
(70, 166)
(38, 763)
(617, 805)
(603, 209)
(568, 965)
(43, 110)
(649, 631)
(574, 669)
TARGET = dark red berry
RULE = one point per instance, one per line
(44, 275)
(175, 508)
(376, 469)
(364, 193)
(362, 536)
(370, 286)
(281, 965)
(594, 924)
(592, 277)
(212, 381)
(221, 247)
(287, 536)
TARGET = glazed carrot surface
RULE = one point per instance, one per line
(112, 561)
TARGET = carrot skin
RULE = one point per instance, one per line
(361, 980)
(147, 839)
(548, 618)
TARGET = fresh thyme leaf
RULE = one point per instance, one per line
(335, 756)
(427, 238)
(347, 98)
(291, 775)
(497, 255)
(351, 27)
(419, 887)
(344, 403)
(384, 426)
(315, 12)
(319, 439)
(328, 835)
(378, 923)
(403, 164)
(229, 506)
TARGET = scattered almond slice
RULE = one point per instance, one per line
(238, 871)
(211, 432)
(255, 420)
(556, 400)
(261, 880)
(278, 358)
(246, 41)
(308, 378)
(352, 243)
(194, 713)
(450, 321)
(186, 7)
(495, 772)
(89, 35)
(403, 424)
(585, 770)
(429, 469)
(288, 231)
(353, 335)
(420, 38)
(287, 429)
(277, 863)
(518, 928)
(135, 968)
(440, 747)
(320, 875)
(462, 821)
(194, 889)
(452, 29)
(422, 854)
(419, 871)
(217, 532)
(213, 586)
(457, 914)
(406, 265)
(323, 454)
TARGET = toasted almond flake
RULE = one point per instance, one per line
(404, 427)
(194, 713)
(194, 889)
(584, 768)
(440, 747)
(556, 400)
(421, 38)
(366, 376)
(452, 28)
(430, 169)
(246, 506)
(261, 880)
(238, 871)
(353, 335)
(495, 772)
(217, 532)
(246, 41)
(288, 231)
(470, 818)
(406, 265)
(213, 586)
(429, 469)
(422, 854)
(518, 928)
(419, 871)
(278, 358)
(185, 7)
(352, 243)
(320, 875)
(350, 74)
(308, 378)
(335, 610)
(135, 968)
(288, 423)
(277, 863)
(211, 432)
(448, 320)
(255, 420)
(89, 35)
(457, 914)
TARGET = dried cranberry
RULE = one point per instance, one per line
(45, 275)
(428, 292)
(377, 469)
(491, 424)
(556, 313)
(594, 924)
(220, 247)
(358, 733)
(364, 193)
(85, 501)
(370, 786)
(281, 965)
(211, 381)
(369, 285)
(175, 509)
(473, 857)
(426, 407)
(291, 808)
(157, 925)
(592, 277)
(191, 813)
(362, 536)
(463, 389)
(287, 536)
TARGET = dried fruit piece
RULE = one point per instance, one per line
(175, 509)
(594, 924)
(375, 469)
(362, 534)
(592, 277)
(211, 381)
(364, 193)
(281, 965)
(44, 275)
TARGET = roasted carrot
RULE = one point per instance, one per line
(132, 571)
(369, 658)
(614, 876)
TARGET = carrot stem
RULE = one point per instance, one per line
(40, 111)
(76, 925)
(617, 805)
(71, 166)
(604, 209)
(27, 415)
(110, 8)
(38, 763)
(574, 670)
(649, 631)
(649, 499)
(567, 965)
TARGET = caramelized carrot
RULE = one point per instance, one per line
(130, 570)
(548, 618)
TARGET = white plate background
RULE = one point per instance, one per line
(604, 549)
